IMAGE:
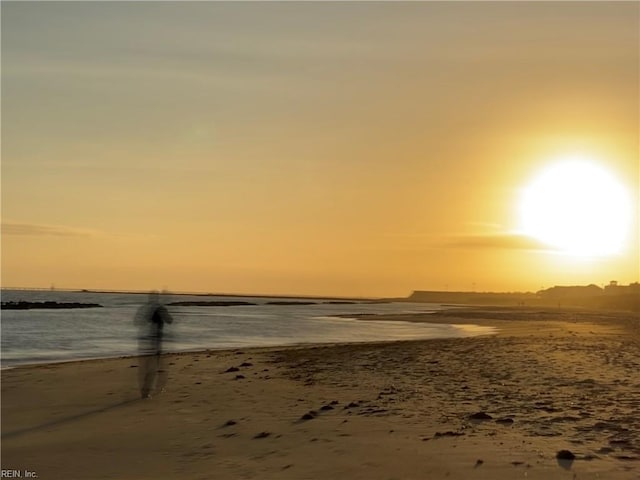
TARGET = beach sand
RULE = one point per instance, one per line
(549, 380)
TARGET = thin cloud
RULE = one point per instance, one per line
(503, 241)
(36, 230)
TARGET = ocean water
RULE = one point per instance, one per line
(43, 336)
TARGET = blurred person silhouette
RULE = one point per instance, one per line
(150, 320)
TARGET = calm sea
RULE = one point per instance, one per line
(43, 336)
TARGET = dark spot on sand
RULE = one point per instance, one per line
(478, 463)
(448, 434)
(230, 423)
(326, 407)
(619, 441)
(262, 435)
(373, 411)
(480, 416)
(565, 455)
(231, 369)
(246, 364)
(311, 414)
(505, 421)
(239, 377)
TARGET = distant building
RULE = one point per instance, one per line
(615, 289)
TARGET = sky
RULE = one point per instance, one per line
(341, 148)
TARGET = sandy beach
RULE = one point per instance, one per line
(493, 407)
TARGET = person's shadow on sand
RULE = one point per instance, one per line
(72, 418)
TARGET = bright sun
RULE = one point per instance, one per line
(576, 207)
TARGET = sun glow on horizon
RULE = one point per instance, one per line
(577, 207)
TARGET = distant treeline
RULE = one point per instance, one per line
(473, 298)
(22, 305)
(209, 304)
(227, 303)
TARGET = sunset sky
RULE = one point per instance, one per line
(343, 148)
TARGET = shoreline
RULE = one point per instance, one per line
(365, 317)
(488, 407)
(453, 315)
(257, 349)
